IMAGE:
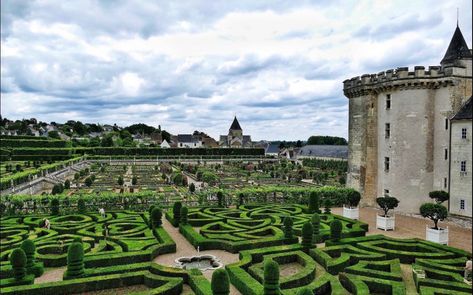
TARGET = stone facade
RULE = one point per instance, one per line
(399, 128)
(235, 137)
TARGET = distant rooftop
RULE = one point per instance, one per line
(465, 112)
(325, 151)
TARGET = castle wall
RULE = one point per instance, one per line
(460, 183)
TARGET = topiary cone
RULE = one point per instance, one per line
(335, 230)
(29, 248)
(307, 233)
(271, 278)
(220, 282)
(18, 262)
(75, 260)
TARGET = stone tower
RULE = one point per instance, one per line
(399, 127)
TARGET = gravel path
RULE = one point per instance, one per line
(413, 227)
(52, 275)
(184, 248)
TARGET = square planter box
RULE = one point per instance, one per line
(353, 213)
(437, 235)
(385, 223)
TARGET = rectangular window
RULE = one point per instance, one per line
(462, 204)
(446, 123)
(446, 154)
(463, 166)
(386, 164)
(387, 130)
(386, 193)
(445, 182)
(388, 101)
(463, 133)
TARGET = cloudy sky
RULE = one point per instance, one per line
(188, 65)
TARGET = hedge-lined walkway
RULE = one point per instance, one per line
(413, 227)
(184, 248)
(51, 275)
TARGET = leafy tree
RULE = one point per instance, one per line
(335, 230)
(156, 217)
(439, 196)
(76, 176)
(387, 203)
(434, 212)
(75, 260)
(326, 140)
(220, 282)
(81, 206)
(271, 278)
(307, 233)
(54, 135)
(134, 180)
(107, 141)
(18, 262)
(88, 181)
(288, 231)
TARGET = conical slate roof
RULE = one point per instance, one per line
(235, 125)
(465, 112)
(457, 49)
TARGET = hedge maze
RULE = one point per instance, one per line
(254, 226)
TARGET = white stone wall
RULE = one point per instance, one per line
(461, 183)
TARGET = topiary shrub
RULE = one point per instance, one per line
(77, 240)
(81, 206)
(220, 199)
(439, 196)
(352, 199)
(315, 220)
(305, 291)
(220, 282)
(18, 262)
(327, 205)
(54, 206)
(150, 209)
(314, 202)
(335, 229)
(387, 203)
(67, 184)
(287, 228)
(434, 212)
(156, 217)
(176, 211)
(75, 261)
(184, 212)
(307, 232)
(192, 188)
(271, 278)
(134, 180)
(241, 199)
(29, 248)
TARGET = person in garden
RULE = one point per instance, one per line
(47, 224)
(468, 269)
(102, 212)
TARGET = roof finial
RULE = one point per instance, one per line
(457, 17)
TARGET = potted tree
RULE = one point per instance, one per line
(350, 207)
(385, 221)
(436, 212)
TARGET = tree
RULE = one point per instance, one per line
(18, 262)
(81, 206)
(327, 205)
(192, 188)
(76, 176)
(352, 199)
(134, 180)
(120, 180)
(327, 140)
(54, 206)
(107, 141)
(315, 220)
(271, 278)
(307, 233)
(387, 203)
(314, 202)
(75, 260)
(183, 217)
(288, 231)
(176, 211)
(439, 196)
(335, 230)
(54, 135)
(241, 199)
(67, 184)
(434, 212)
(29, 248)
(220, 282)
(156, 217)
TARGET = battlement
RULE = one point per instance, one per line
(434, 77)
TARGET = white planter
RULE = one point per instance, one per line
(385, 223)
(353, 213)
(437, 235)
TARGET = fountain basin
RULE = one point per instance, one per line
(202, 262)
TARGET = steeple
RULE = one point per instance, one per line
(458, 49)
(235, 125)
